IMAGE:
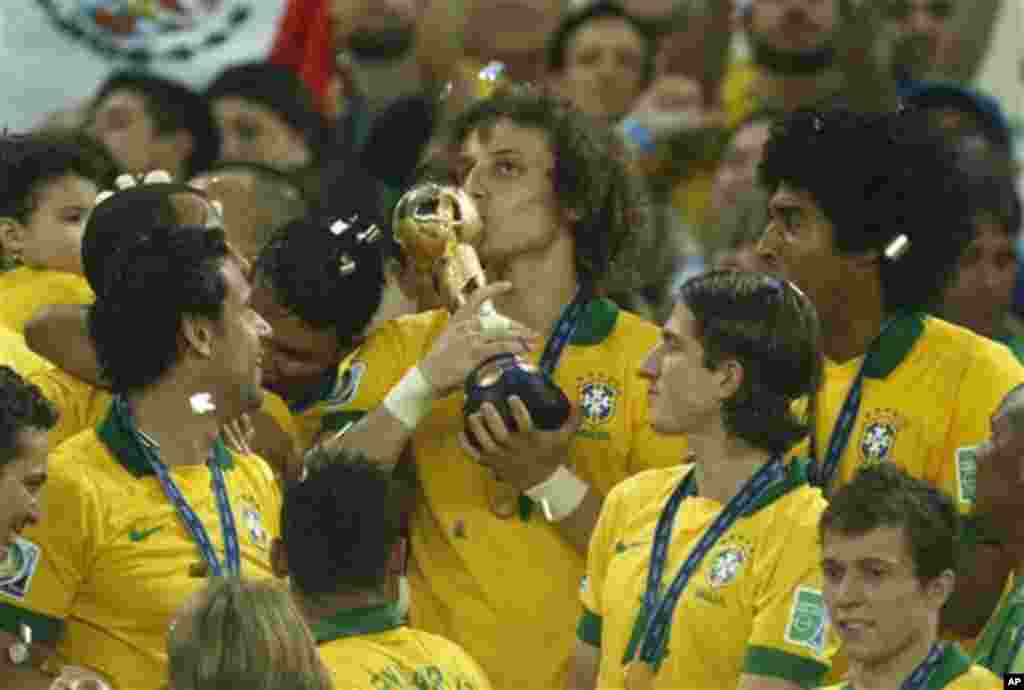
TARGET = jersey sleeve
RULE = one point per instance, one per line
(791, 638)
(54, 556)
(993, 373)
(80, 405)
(592, 586)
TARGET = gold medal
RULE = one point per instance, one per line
(639, 675)
(504, 499)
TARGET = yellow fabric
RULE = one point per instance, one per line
(494, 585)
(400, 659)
(24, 290)
(741, 598)
(17, 355)
(929, 413)
(82, 406)
(115, 556)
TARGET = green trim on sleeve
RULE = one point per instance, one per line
(764, 661)
(589, 629)
(44, 628)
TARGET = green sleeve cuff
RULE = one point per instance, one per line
(589, 629)
(44, 628)
(764, 661)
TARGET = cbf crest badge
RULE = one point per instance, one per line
(728, 560)
(878, 439)
(254, 525)
(599, 400)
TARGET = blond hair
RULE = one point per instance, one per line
(242, 634)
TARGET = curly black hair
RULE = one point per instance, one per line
(591, 176)
(340, 523)
(326, 277)
(22, 406)
(883, 495)
(876, 177)
(151, 282)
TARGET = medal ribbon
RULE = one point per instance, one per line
(565, 328)
(651, 644)
(192, 522)
(919, 676)
(823, 473)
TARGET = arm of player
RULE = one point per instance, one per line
(27, 676)
(464, 344)
(586, 662)
(60, 333)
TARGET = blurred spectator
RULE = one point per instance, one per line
(869, 217)
(266, 115)
(601, 59)
(49, 183)
(106, 583)
(737, 171)
(960, 112)
(342, 550)
(151, 123)
(256, 200)
(980, 296)
(241, 634)
(740, 227)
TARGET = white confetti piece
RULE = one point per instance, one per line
(202, 403)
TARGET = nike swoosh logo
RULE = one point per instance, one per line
(623, 546)
(139, 535)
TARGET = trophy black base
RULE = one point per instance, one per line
(502, 376)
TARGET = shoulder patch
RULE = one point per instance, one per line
(808, 620)
(348, 385)
(966, 473)
(18, 567)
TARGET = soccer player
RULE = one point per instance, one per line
(340, 546)
(868, 217)
(25, 418)
(557, 205)
(150, 500)
(735, 531)
(889, 550)
(1000, 493)
(49, 182)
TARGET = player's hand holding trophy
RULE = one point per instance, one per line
(438, 228)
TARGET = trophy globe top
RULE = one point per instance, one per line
(430, 219)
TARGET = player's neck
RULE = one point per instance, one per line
(543, 283)
(890, 673)
(852, 325)
(326, 608)
(723, 464)
(164, 413)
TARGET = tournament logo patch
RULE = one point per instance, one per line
(808, 620)
(599, 397)
(727, 562)
(877, 440)
(347, 386)
(18, 567)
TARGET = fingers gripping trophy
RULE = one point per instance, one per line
(439, 228)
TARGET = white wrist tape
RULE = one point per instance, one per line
(411, 398)
(559, 495)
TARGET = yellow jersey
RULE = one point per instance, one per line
(954, 672)
(105, 570)
(758, 588)
(16, 354)
(481, 580)
(926, 404)
(372, 649)
(26, 290)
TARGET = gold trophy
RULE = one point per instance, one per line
(438, 228)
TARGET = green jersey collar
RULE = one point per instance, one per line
(363, 621)
(899, 339)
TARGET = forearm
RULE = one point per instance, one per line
(380, 436)
(579, 525)
(60, 333)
